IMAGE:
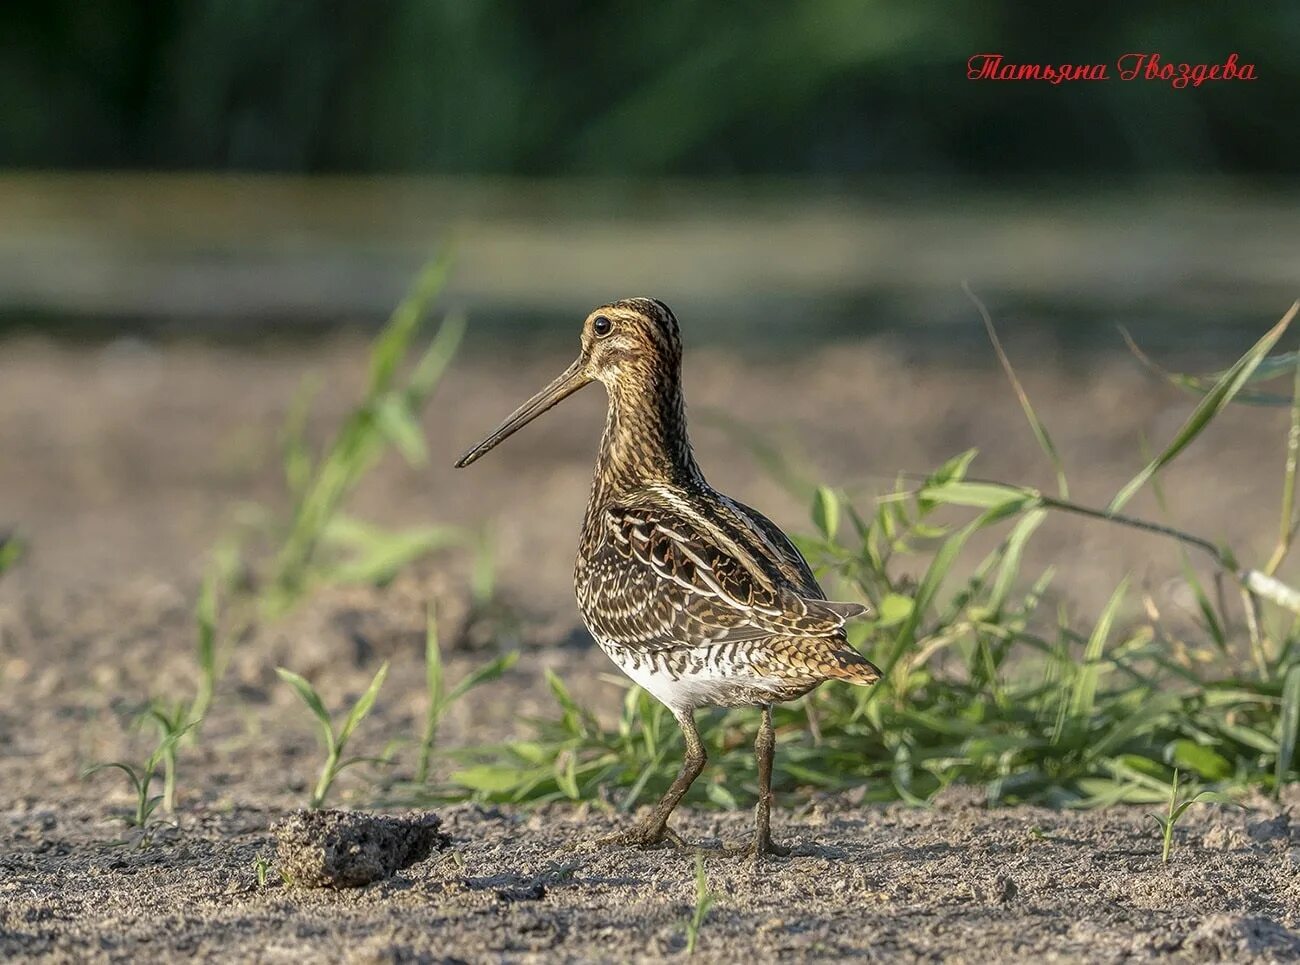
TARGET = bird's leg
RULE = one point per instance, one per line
(654, 829)
(764, 751)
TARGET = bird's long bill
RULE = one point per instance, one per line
(570, 381)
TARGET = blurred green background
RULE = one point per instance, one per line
(834, 88)
(821, 166)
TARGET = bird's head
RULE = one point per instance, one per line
(631, 346)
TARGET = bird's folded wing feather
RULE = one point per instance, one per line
(669, 576)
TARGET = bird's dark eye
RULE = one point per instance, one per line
(602, 326)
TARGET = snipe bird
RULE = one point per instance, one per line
(698, 598)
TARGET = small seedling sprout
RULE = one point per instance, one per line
(141, 778)
(173, 724)
(704, 900)
(440, 699)
(1166, 822)
(335, 740)
(260, 868)
(205, 624)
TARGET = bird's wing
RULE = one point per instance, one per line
(670, 573)
(795, 567)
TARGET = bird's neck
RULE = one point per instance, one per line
(645, 441)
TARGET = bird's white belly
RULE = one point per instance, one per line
(686, 689)
(681, 693)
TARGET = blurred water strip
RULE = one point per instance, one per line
(234, 255)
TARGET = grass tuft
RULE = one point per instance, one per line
(984, 683)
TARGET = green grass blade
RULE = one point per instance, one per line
(704, 899)
(433, 677)
(388, 415)
(497, 779)
(1248, 736)
(980, 495)
(433, 363)
(1144, 721)
(482, 675)
(1204, 761)
(826, 512)
(363, 705)
(168, 724)
(205, 619)
(1182, 808)
(376, 555)
(205, 616)
(435, 690)
(1013, 552)
(483, 571)
(1036, 424)
(1085, 684)
(1286, 526)
(566, 776)
(1210, 406)
(394, 418)
(1208, 613)
(1200, 385)
(126, 769)
(561, 693)
(390, 346)
(307, 693)
(295, 456)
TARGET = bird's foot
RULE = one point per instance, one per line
(762, 846)
(642, 836)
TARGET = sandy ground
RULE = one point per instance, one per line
(121, 465)
(955, 883)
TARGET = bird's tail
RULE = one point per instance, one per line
(851, 667)
(824, 658)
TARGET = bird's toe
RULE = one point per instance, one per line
(645, 838)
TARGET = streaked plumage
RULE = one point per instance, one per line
(688, 593)
(698, 598)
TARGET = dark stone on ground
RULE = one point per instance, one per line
(349, 849)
